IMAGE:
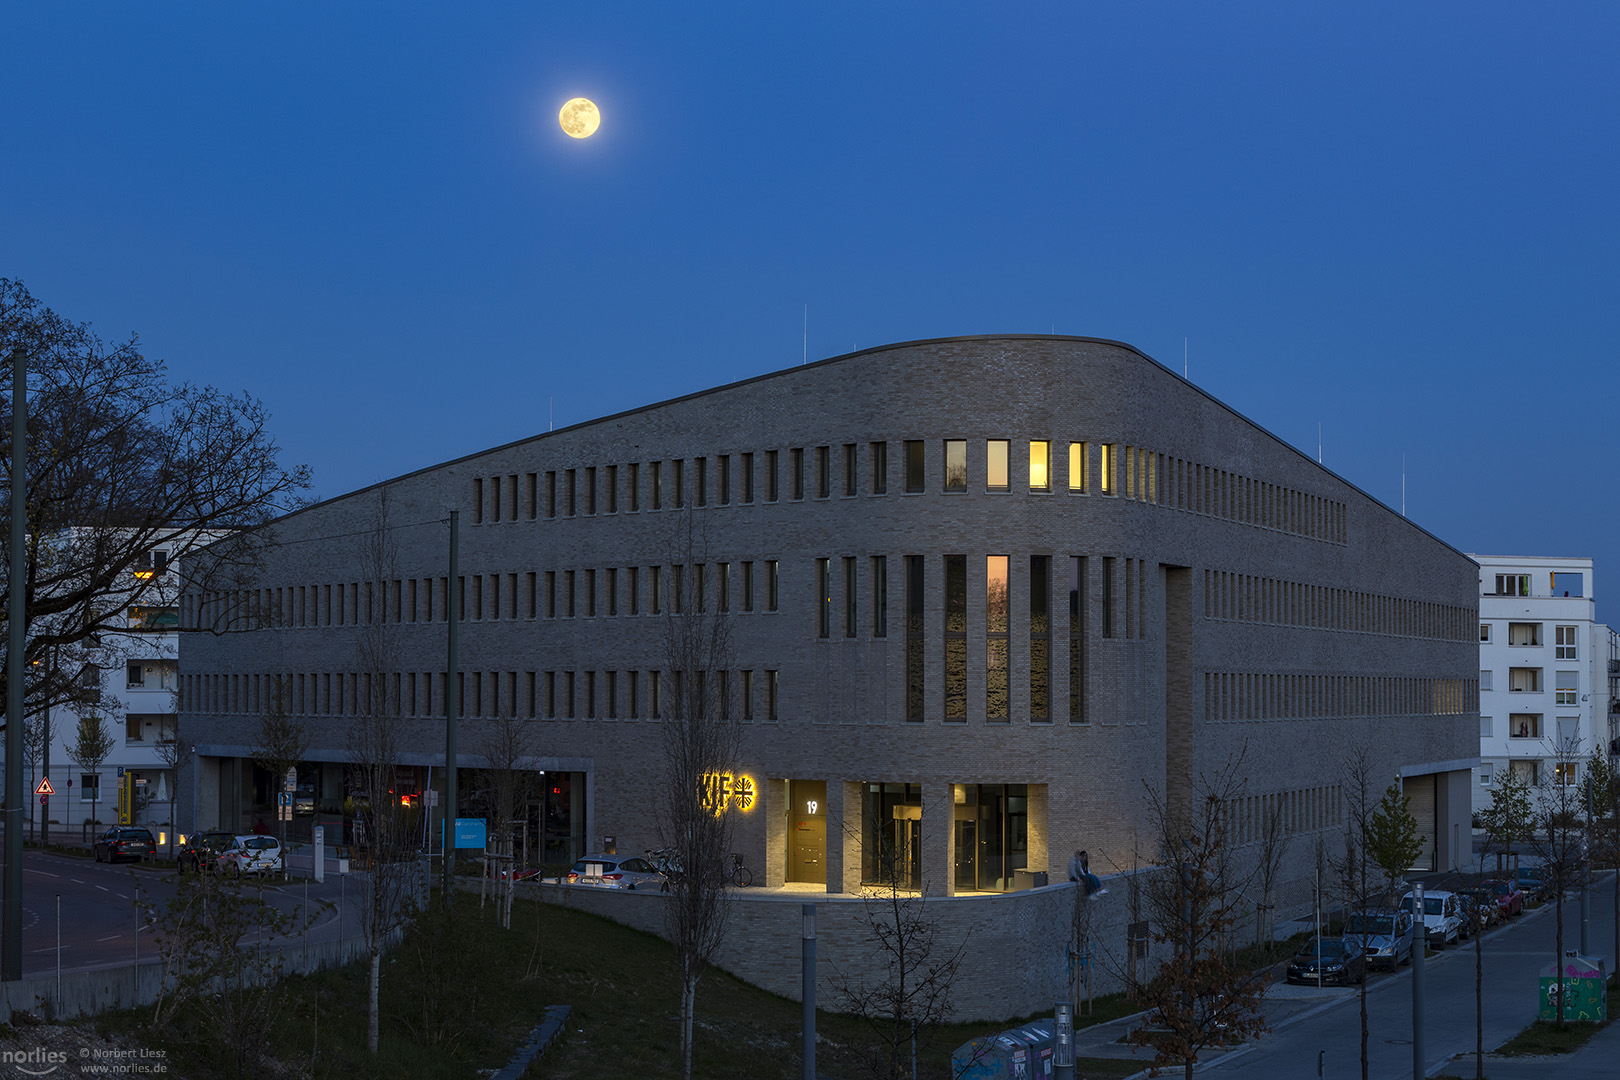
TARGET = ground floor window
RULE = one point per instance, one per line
(891, 834)
(991, 823)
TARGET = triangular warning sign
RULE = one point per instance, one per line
(45, 787)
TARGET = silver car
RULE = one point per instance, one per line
(628, 872)
(1385, 937)
(250, 853)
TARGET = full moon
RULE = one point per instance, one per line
(579, 118)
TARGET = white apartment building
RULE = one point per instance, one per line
(134, 689)
(1544, 686)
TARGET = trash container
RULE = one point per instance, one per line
(1028, 879)
(1023, 1053)
(1585, 989)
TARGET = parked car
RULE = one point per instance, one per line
(200, 853)
(250, 853)
(616, 872)
(125, 842)
(1328, 960)
(1385, 937)
(1533, 883)
(1480, 904)
(1507, 894)
(1441, 916)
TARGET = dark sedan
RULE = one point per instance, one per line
(1327, 960)
(124, 842)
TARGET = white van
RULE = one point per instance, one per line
(1442, 916)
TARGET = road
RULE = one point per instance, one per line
(92, 907)
(1308, 1021)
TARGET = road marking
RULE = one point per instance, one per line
(110, 937)
(75, 881)
(103, 888)
(46, 873)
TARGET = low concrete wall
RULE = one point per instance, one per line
(1015, 960)
(89, 993)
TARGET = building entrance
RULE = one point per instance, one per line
(807, 831)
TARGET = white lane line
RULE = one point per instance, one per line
(45, 873)
(75, 881)
(110, 937)
(103, 888)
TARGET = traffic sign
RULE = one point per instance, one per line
(44, 800)
(44, 787)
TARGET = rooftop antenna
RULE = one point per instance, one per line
(1183, 358)
(805, 358)
(1403, 485)
(1319, 442)
(550, 424)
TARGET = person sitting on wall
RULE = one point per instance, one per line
(1080, 872)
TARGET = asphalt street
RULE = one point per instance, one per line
(1312, 1025)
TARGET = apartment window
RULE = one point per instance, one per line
(722, 586)
(1524, 633)
(823, 472)
(880, 596)
(590, 490)
(590, 594)
(796, 474)
(655, 584)
(1040, 638)
(610, 682)
(611, 489)
(1512, 584)
(850, 616)
(700, 481)
(478, 502)
(612, 590)
(1567, 689)
(677, 588)
(658, 485)
(880, 468)
(551, 595)
(551, 494)
(1110, 589)
(915, 661)
(1524, 680)
(678, 482)
(1077, 467)
(1565, 642)
(747, 692)
(89, 787)
(1106, 483)
(1485, 727)
(955, 638)
(1077, 639)
(914, 465)
(955, 464)
(568, 592)
(635, 589)
(1040, 461)
(773, 693)
(850, 466)
(748, 586)
(655, 693)
(772, 492)
(632, 486)
(569, 493)
(1485, 632)
(1485, 679)
(748, 478)
(551, 695)
(997, 465)
(723, 477)
(772, 580)
(1485, 774)
(632, 686)
(996, 638)
(135, 677)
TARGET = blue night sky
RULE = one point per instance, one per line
(1394, 220)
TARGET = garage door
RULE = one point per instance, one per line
(1420, 795)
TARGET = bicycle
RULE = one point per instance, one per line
(741, 876)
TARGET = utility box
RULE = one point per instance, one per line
(1028, 879)
(1585, 989)
(1023, 1053)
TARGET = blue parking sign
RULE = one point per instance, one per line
(470, 833)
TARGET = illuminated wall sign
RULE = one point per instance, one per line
(723, 790)
(810, 807)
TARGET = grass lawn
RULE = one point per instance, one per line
(1546, 1037)
(459, 999)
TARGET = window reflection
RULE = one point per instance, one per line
(955, 464)
(1039, 474)
(996, 454)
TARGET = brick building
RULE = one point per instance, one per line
(984, 594)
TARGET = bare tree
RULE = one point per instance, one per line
(1559, 843)
(510, 781)
(91, 748)
(173, 754)
(123, 464)
(1268, 867)
(701, 749)
(389, 894)
(910, 998)
(1200, 997)
(280, 743)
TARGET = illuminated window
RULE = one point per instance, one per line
(1077, 467)
(955, 638)
(1106, 481)
(955, 464)
(996, 638)
(1566, 643)
(996, 465)
(1040, 454)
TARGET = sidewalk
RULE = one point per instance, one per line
(1597, 1060)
